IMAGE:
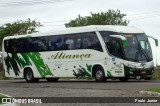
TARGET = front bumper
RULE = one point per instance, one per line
(144, 72)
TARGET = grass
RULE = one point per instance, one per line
(154, 90)
(1, 96)
(156, 74)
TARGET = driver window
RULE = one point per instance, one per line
(114, 46)
(117, 50)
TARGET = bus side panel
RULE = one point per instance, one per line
(97, 58)
(64, 63)
(11, 66)
(15, 63)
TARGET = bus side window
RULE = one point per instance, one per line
(56, 42)
(21, 47)
(91, 41)
(60, 43)
(117, 50)
(26, 45)
(78, 43)
(39, 44)
(69, 44)
(7, 46)
(72, 42)
(14, 45)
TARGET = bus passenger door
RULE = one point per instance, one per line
(117, 57)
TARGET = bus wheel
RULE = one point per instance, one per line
(99, 74)
(29, 76)
(36, 79)
(52, 79)
(124, 79)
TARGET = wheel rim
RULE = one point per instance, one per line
(29, 76)
(99, 74)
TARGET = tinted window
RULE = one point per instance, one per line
(27, 44)
(131, 49)
(72, 42)
(90, 41)
(39, 44)
(6, 45)
(21, 46)
(11, 45)
(53, 43)
(108, 42)
(113, 44)
(56, 42)
(34, 44)
(117, 50)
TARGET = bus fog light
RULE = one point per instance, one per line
(138, 77)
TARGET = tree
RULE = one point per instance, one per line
(18, 28)
(110, 17)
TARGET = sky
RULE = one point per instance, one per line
(143, 14)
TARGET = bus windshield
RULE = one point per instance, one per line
(137, 50)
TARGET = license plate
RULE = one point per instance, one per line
(143, 72)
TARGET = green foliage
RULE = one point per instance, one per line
(2, 96)
(156, 74)
(110, 17)
(154, 90)
(18, 28)
(1, 72)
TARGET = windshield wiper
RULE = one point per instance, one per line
(143, 51)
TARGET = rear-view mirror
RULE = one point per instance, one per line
(156, 40)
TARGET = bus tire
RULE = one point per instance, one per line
(99, 74)
(124, 79)
(148, 78)
(36, 79)
(52, 79)
(28, 75)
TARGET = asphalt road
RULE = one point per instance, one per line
(77, 88)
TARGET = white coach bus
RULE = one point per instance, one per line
(102, 52)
